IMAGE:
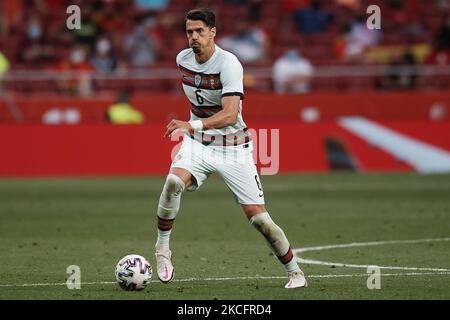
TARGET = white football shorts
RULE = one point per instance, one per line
(234, 164)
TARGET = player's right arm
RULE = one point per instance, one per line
(226, 117)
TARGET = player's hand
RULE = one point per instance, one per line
(177, 125)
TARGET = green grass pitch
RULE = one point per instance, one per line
(48, 224)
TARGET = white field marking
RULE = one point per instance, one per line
(422, 156)
(235, 279)
(437, 271)
(365, 244)
(356, 186)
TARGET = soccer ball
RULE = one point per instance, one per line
(133, 272)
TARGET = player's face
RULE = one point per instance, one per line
(199, 35)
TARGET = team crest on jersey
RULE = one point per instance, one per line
(197, 80)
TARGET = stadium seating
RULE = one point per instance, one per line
(272, 18)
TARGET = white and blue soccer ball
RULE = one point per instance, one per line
(133, 272)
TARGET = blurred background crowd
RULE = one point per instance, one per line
(286, 46)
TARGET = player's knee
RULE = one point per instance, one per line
(169, 201)
(264, 224)
(174, 185)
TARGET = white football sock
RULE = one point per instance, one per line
(168, 207)
(163, 239)
(276, 239)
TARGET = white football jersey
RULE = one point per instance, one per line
(206, 83)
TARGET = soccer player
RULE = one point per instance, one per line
(216, 140)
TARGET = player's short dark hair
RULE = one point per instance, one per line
(203, 14)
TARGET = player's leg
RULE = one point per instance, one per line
(188, 172)
(169, 204)
(277, 241)
(243, 181)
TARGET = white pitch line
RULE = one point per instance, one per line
(437, 271)
(366, 244)
(52, 284)
(235, 278)
(364, 266)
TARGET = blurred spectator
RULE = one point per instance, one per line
(151, 5)
(34, 28)
(11, 12)
(255, 10)
(340, 42)
(401, 73)
(89, 28)
(403, 18)
(122, 112)
(248, 43)
(104, 60)
(139, 46)
(441, 46)
(354, 5)
(4, 67)
(442, 39)
(167, 23)
(443, 4)
(398, 13)
(312, 19)
(34, 49)
(290, 6)
(292, 72)
(254, 7)
(109, 16)
(76, 72)
(358, 39)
